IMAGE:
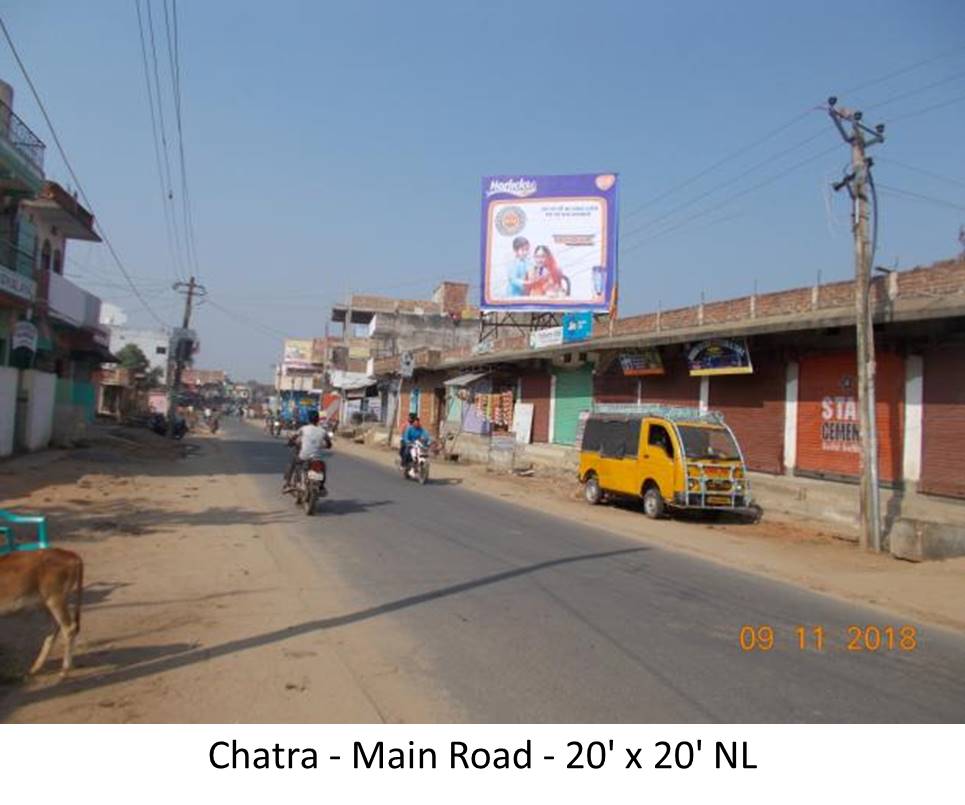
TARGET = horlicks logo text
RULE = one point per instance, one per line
(513, 187)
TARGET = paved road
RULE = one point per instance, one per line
(524, 617)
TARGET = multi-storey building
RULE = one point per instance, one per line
(50, 335)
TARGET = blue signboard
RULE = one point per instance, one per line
(577, 326)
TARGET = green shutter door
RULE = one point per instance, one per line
(574, 394)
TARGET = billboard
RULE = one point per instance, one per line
(549, 243)
(298, 353)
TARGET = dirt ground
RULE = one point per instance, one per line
(811, 554)
(197, 605)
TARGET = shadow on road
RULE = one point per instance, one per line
(140, 663)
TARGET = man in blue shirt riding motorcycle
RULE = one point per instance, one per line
(412, 434)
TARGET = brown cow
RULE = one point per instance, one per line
(32, 578)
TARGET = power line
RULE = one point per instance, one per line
(724, 160)
(73, 174)
(176, 266)
(733, 197)
(246, 320)
(727, 183)
(916, 91)
(932, 174)
(786, 125)
(921, 197)
(932, 108)
(164, 141)
(903, 70)
(175, 68)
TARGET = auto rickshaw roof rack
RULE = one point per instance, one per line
(673, 413)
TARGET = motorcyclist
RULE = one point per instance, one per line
(310, 441)
(414, 433)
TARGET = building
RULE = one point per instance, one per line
(68, 314)
(380, 326)
(154, 343)
(794, 412)
(377, 328)
(50, 337)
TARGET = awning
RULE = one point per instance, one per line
(94, 354)
(350, 381)
(465, 380)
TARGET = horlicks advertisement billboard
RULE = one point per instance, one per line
(549, 243)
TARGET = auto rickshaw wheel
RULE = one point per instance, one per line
(653, 505)
(592, 491)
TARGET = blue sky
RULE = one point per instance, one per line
(334, 147)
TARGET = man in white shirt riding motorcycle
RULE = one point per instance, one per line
(311, 440)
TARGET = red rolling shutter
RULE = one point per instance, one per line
(827, 415)
(614, 387)
(676, 387)
(943, 423)
(753, 406)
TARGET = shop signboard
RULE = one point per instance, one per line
(720, 356)
(523, 422)
(549, 243)
(407, 364)
(642, 362)
(17, 284)
(24, 336)
(577, 326)
(548, 337)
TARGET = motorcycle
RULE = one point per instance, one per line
(307, 483)
(417, 468)
(159, 424)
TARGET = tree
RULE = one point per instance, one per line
(153, 379)
(131, 356)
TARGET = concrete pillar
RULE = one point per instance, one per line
(704, 393)
(552, 430)
(911, 447)
(8, 408)
(790, 415)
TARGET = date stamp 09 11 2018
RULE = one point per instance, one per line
(858, 639)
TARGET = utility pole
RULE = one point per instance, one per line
(859, 181)
(190, 289)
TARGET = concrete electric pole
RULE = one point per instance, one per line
(859, 182)
(190, 289)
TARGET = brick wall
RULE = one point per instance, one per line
(783, 303)
(943, 278)
(718, 312)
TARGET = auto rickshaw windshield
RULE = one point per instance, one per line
(712, 443)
